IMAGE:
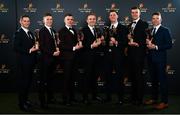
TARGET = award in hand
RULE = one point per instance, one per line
(131, 35)
(80, 36)
(36, 38)
(112, 33)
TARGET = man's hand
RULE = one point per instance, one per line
(78, 46)
(148, 42)
(94, 44)
(151, 46)
(133, 44)
(33, 49)
(56, 53)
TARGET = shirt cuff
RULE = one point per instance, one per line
(91, 47)
(156, 47)
(74, 48)
(30, 51)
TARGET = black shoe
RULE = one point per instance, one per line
(24, 107)
(51, 101)
(119, 103)
(99, 99)
(44, 106)
(29, 104)
(137, 103)
(86, 102)
(107, 100)
(74, 101)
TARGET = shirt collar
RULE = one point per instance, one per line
(115, 24)
(136, 20)
(47, 27)
(67, 27)
(25, 29)
(157, 27)
(91, 27)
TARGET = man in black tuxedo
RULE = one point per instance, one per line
(136, 55)
(24, 46)
(157, 46)
(69, 45)
(116, 41)
(91, 41)
(49, 52)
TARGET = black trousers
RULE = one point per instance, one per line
(135, 69)
(93, 67)
(25, 72)
(69, 77)
(46, 82)
(114, 62)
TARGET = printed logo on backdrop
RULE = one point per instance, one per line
(85, 9)
(142, 8)
(113, 7)
(4, 69)
(59, 69)
(75, 23)
(170, 70)
(126, 21)
(100, 21)
(169, 8)
(58, 8)
(4, 39)
(40, 22)
(30, 7)
(150, 23)
(3, 9)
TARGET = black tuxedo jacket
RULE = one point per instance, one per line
(121, 36)
(138, 53)
(47, 44)
(67, 42)
(22, 45)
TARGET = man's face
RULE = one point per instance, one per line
(135, 13)
(156, 20)
(69, 20)
(48, 21)
(91, 20)
(25, 22)
(113, 17)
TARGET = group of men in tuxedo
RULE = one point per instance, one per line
(67, 45)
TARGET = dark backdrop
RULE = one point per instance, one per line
(11, 10)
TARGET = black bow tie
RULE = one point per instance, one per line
(70, 29)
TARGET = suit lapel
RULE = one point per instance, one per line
(137, 25)
(25, 34)
(68, 31)
(47, 31)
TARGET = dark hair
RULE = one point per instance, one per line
(134, 8)
(67, 14)
(24, 16)
(47, 14)
(156, 13)
(91, 13)
(113, 11)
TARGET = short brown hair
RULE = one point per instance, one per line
(67, 14)
(134, 8)
(89, 14)
(47, 14)
(113, 11)
(156, 13)
(24, 16)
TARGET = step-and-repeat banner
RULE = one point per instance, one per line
(11, 10)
